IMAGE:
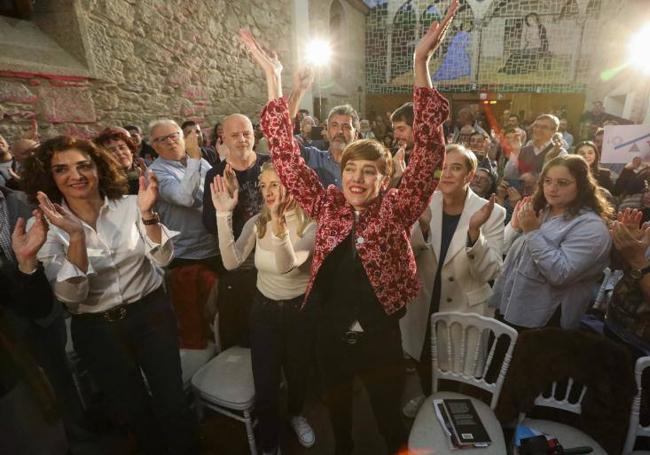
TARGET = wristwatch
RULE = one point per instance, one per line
(637, 274)
(150, 221)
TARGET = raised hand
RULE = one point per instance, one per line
(222, 149)
(147, 193)
(435, 34)
(479, 218)
(268, 61)
(303, 78)
(192, 147)
(59, 216)
(26, 244)
(222, 199)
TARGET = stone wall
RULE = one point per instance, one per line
(144, 59)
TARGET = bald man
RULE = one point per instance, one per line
(237, 287)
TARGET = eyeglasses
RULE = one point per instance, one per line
(173, 136)
(561, 183)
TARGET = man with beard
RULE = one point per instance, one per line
(402, 121)
(342, 125)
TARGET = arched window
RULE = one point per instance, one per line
(336, 29)
(403, 39)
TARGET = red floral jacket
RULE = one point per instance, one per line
(382, 230)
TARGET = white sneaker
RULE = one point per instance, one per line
(304, 431)
(411, 408)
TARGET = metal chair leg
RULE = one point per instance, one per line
(248, 421)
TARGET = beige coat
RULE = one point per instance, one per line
(465, 273)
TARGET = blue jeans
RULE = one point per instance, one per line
(116, 353)
(281, 339)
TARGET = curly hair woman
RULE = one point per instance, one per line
(103, 257)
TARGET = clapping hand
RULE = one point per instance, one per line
(528, 219)
(279, 209)
(232, 184)
(222, 149)
(630, 218)
(26, 244)
(147, 194)
(192, 147)
(399, 163)
(222, 199)
(479, 218)
(59, 216)
(631, 242)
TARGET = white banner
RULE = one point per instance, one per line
(621, 143)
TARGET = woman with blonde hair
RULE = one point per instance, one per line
(283, 238)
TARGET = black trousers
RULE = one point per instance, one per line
(236, 292)
(376, 359)
(118, 353)
(280, 336)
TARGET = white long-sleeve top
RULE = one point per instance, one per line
(282, 263)
(123, 263)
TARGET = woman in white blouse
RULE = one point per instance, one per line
(102, 256)
(283, 239)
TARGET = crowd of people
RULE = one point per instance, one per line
(322, 254)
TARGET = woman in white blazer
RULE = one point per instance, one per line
(466, 232)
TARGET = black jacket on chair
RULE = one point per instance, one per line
(546, 355)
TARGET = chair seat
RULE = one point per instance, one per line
(567, 435)
(427, 436)
(227, 380)
(193, 359)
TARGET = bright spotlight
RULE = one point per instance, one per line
(639, 49)
(318, 52)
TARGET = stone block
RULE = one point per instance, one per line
(67, 104)
(16, 92)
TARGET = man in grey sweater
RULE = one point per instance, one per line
(539, 150)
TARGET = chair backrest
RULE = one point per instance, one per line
(635, 428)
(466, 346)
(565, 402)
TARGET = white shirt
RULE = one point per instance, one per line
(282, 263)
(123, 263)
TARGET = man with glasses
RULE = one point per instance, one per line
(531, 157)
(181, 172)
